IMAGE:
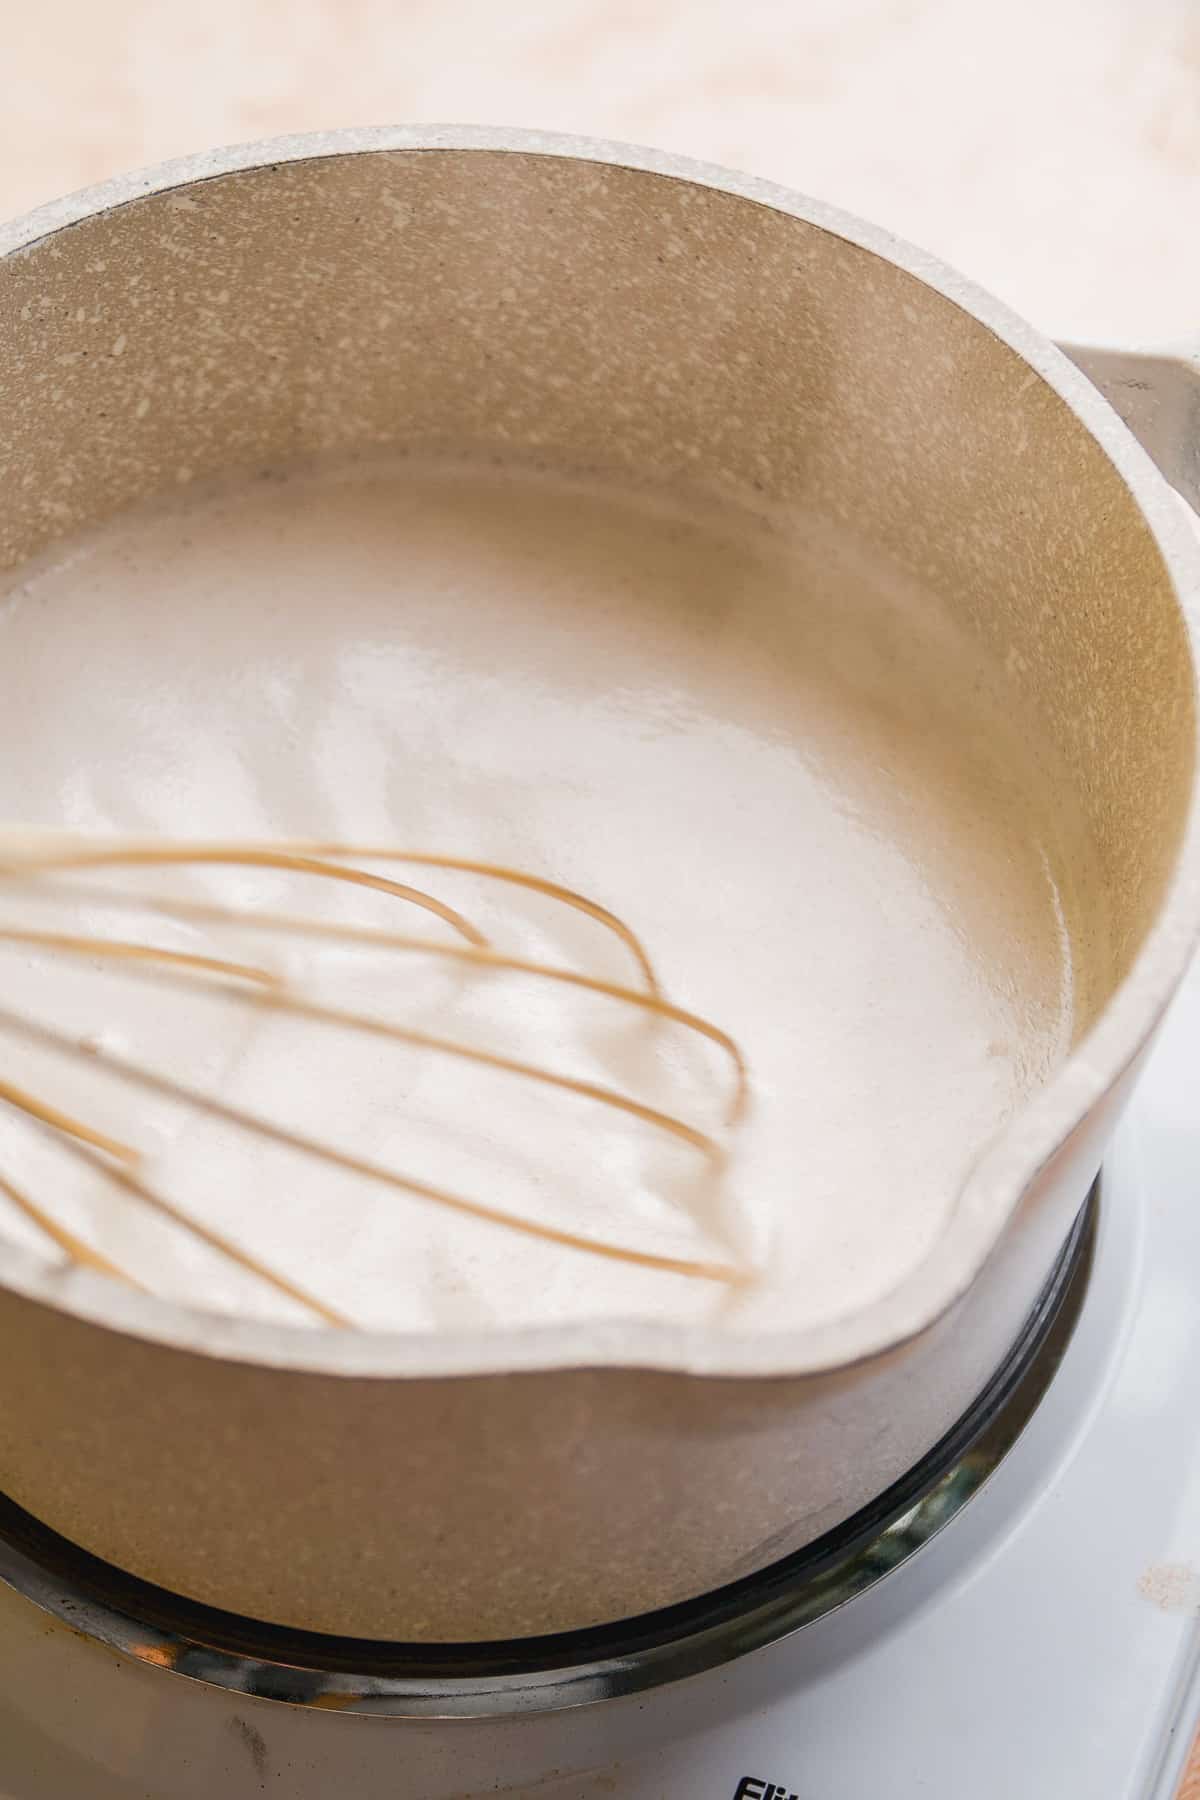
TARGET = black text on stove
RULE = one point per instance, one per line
(752, 1787)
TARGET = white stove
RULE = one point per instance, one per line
(1045, 1643)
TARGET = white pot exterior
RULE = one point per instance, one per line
(455, 1489)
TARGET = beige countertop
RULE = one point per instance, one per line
(1050, 148)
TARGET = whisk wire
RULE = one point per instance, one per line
(45, 860)
(369, 937)
(32, 854)
(156, 1082)
(74, 1248)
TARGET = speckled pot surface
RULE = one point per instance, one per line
(612, 306)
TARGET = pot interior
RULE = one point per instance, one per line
(676, 339)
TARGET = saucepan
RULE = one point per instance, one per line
(439, 286)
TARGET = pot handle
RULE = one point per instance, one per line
(1157, 394)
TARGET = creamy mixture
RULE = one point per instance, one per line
(781, 767)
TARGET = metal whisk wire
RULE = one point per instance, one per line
(52, 862)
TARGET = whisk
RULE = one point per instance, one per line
(49, 867)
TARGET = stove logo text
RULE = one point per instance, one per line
(751, 1787)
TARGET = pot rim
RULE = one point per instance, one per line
(992, 1191)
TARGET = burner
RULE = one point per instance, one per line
(543, 1674)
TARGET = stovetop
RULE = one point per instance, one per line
(1045, 1644)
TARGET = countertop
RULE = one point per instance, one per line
(1050, 148)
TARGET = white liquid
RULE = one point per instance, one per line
(783, 770)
